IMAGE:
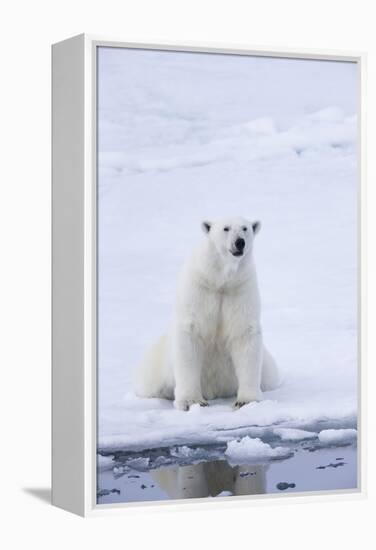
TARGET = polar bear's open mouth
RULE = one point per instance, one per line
(237, 252)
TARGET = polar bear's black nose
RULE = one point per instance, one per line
(240, 244)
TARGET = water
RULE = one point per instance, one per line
(168, 474)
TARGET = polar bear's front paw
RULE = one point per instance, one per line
(185, 404)
(241, 401)
(239, 404)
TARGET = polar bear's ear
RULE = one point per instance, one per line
(256, 226)
(206, 226)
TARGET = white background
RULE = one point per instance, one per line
(27, 30)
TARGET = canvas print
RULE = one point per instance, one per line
(227, 355)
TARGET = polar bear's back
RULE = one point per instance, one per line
(154, 377)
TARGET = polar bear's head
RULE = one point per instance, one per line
(232, 237)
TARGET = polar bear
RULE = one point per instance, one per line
(214, 347)
(211, 479)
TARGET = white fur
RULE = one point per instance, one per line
(214, 347)
(211, 479)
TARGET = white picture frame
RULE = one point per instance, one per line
(74, 290)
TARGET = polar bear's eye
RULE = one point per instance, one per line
(244, 228)
(226, 228)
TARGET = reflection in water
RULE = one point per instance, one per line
(308, 469)
(211, 479)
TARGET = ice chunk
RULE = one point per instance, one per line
(185, 452)
(140, 464)
(338, 437)
(120, 470)
(192, 454)
(105, 462)
(253, 450)
(291, 434)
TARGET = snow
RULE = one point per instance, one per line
(338, 437)
(105, 462)
(185, 137)
(249, 450)
(141, 463)
(289, 434)
(186, 452)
